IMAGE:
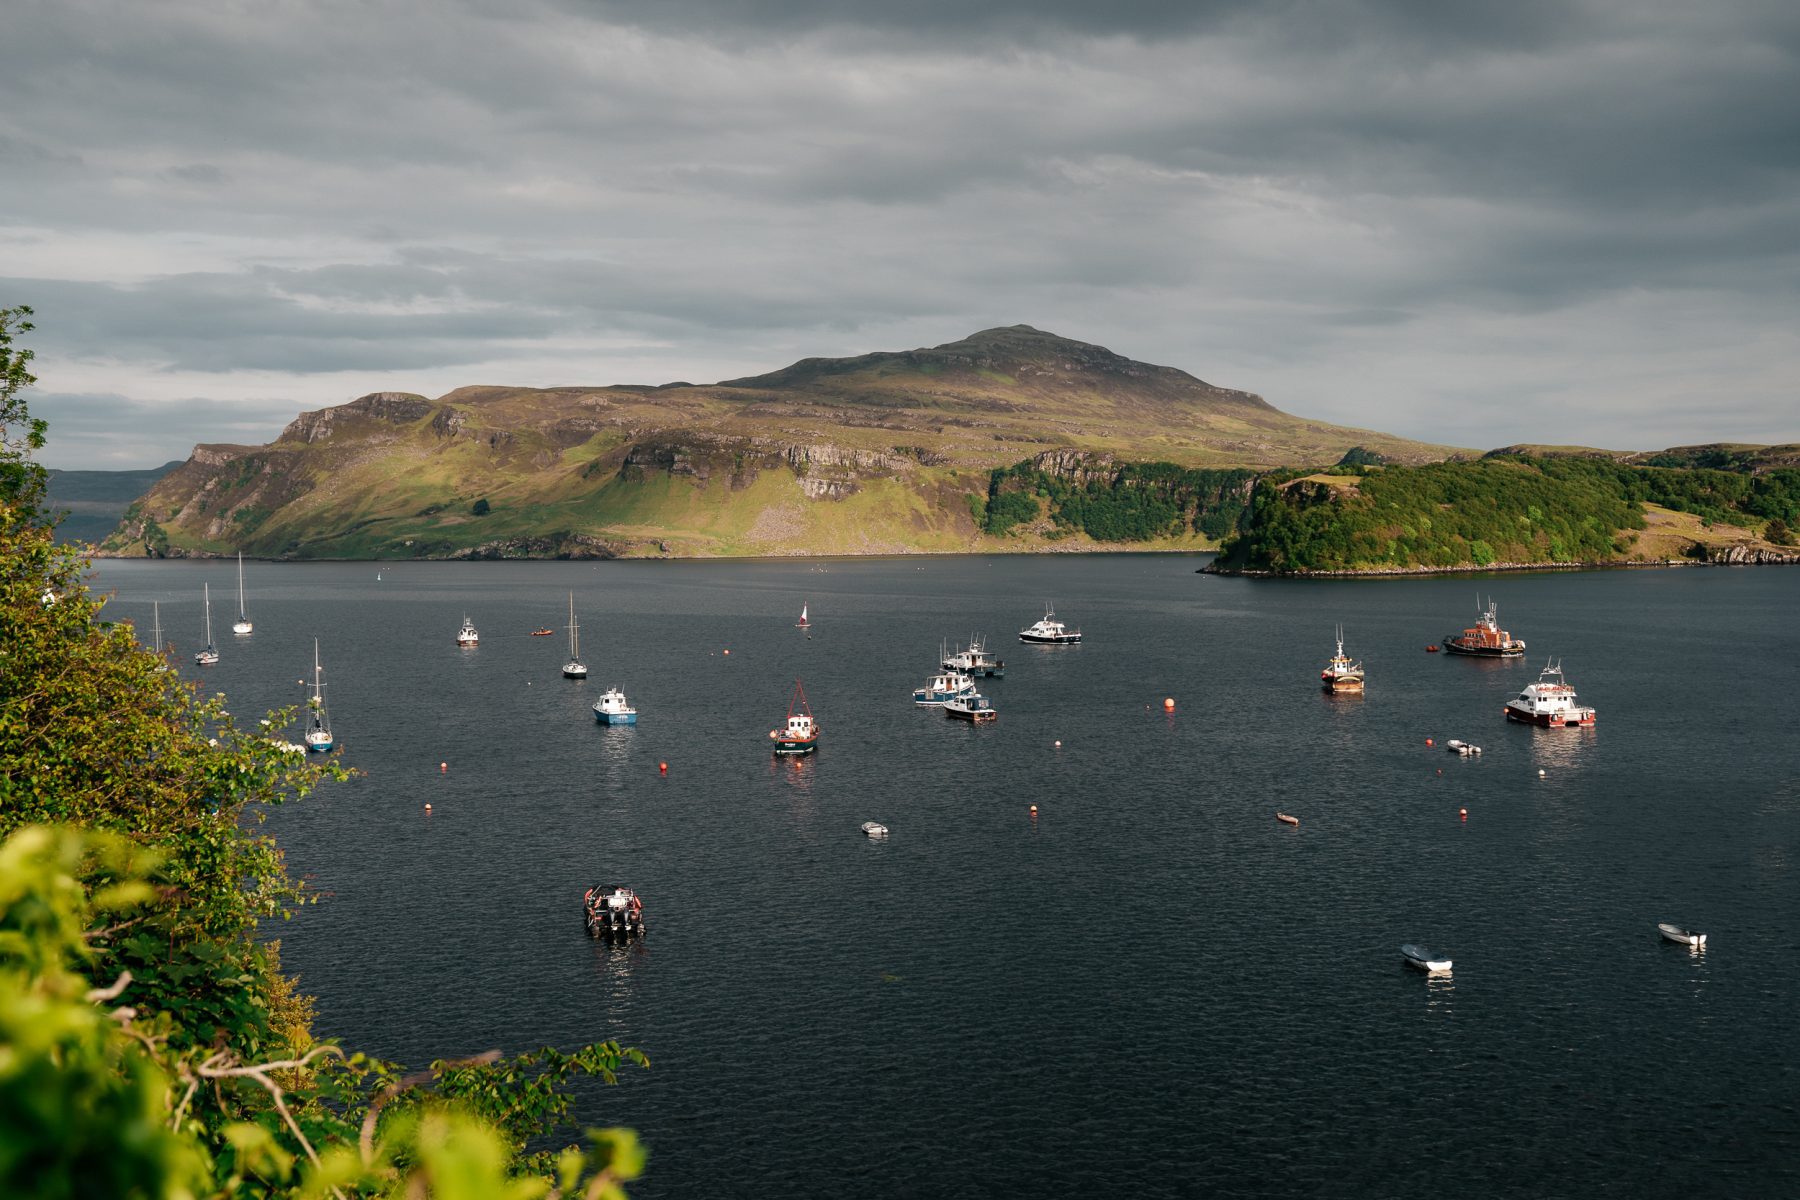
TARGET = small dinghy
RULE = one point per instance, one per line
(1680, 936)
(1423, 958)
(1460, 747)
(1287, 820)
(874, 829)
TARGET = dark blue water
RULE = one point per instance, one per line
(1151, 988)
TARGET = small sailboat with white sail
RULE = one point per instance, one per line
(803, 622)
(318, 723)
(242, 625)
(574, 668)
(210, 655)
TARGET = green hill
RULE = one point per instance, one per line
(881, 453)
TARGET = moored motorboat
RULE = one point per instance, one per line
(1549, 702)
(1684, 937)
(801, 733)
(1287, 820)
(973, 660)
(1457, 746)
(874, 829)
(1340, 674)
(611, 911)
(1423, 958)
(543, 632)
(1485, 638)
(942, 688)
(1050, 631)
(611, 709)
(970, 706)
(466, 636)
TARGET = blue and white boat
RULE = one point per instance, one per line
(611, 709)
(942, 688)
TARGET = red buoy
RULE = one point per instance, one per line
(442, 767)
(1428, 741)
(1169, 704)
(1464, 812)
(663, 768)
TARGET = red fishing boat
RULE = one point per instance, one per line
(1485, 638)
(801, 733)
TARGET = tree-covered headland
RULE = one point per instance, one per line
(150, 1045)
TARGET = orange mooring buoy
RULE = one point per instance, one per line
(662, 768)
(1169, 703)
(1428, 741)
(428, 808)
(442, 767)
(1464, 812)
(1034, 810)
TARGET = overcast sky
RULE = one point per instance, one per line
(1475, 223)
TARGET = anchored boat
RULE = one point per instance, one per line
(1549, 702)
(1485, 638)
(611, 709)
(1050, 631)
(466, 636)
(801, 733)
(1423, 958)
(1684, 937)
(803, 623)
(208, 656)
(243, 624)
(973, 661)
(1340, 674)
(574, 668)
(612, 911)
(970, 706)
(874, 829)
(318, 724)
(942, 688)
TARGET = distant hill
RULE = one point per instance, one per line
(880, 453)
(96, 500)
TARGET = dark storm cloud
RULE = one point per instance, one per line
(1340, 205)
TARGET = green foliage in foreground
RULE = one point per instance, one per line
(149, 1044)
(1119, 502)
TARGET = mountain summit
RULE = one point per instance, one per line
(880, 453)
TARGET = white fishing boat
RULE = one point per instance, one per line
(210, 655)
(318, 723)
(874, 829)
(1680, 936)
(1424, 959)
(242, 625)
(974, 660)
(574, 668)
(803, 623)
(970, 706)
(942, 688)
(612, 709)
(1050, 631)
(466, 636)
(1549, 702)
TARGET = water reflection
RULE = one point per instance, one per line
(615, 964)
(1561, 747)
(1440, 990)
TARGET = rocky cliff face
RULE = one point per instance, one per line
(1743, 556)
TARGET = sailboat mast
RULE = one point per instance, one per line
(574, 632)
(156, 625)
(206, 598)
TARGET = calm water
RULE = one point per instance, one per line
(1150, 989)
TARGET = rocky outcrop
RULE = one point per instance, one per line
(1742, 556)
(563, 545)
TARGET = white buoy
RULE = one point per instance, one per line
(1540, 772)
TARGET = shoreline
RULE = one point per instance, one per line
(1762, 560)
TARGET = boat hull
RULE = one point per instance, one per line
(606, 718)
(972, 715)
(574, 672)
(1454, 645)
(1571, 719)
(1341, 685)
(1051, 639)
(785, 747)
(1681, 937)
(320, 747)
(1421, 959)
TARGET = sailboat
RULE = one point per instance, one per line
(574, 668)
(318, 724)
(208, 656)
(156, 626)
(803, 623)
(243, 622)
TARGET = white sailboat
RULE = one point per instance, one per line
(243, 622)
(208, 656)
(803, 623)
(156, 626)
(574, 668)
(318, 724)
